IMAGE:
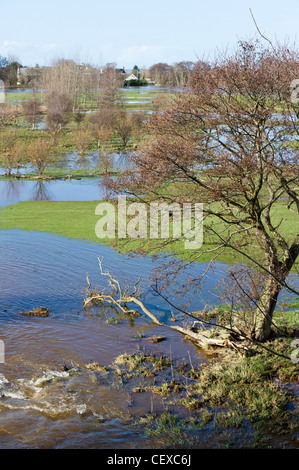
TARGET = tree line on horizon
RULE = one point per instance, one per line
(14, 74)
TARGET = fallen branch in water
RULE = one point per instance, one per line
(120, 298)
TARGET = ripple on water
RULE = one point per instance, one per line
(59, 408)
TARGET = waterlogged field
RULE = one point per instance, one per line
(137, 98)
(96, 377)
(75, 149)
(77, 219)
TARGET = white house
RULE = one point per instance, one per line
(131, 77)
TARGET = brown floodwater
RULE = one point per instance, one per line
(48, 398)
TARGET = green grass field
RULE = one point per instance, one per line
(22, 96)
(70, 219)
(77, 220)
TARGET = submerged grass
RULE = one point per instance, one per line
(236, 398)
(78, 220)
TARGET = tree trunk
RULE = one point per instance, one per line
(265, 309)
(268, 299)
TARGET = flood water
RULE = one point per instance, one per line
(48, 398)
(14, 191)
(75, 161)
(41, 404)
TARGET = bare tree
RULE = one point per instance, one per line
(124, 125)
(128, 125)
(110, 82)
(31, 109)
(227, 143)
(9, 140)
(82, 139)
(58, 105)
(181, 72)
(39, 154)
(121, 297)
(158, 73)
(78, 81)
(102, 125)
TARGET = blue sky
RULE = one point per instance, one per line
(138, 32)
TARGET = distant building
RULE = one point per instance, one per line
(21, 74)
(131, 77)
(28, 75)
(122, 71)
(149, 81)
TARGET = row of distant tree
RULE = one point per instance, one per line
(176, 75)
(10, 73)
(13, 74)
(70, 93)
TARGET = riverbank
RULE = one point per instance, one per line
(228, 402)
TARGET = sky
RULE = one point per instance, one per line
(137, 32)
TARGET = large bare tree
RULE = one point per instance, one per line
(229, 142)
(78, 81)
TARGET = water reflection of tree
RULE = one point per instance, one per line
(41, 192)
(11, 189)
(106, 162)
(83, 161)
(121, 161)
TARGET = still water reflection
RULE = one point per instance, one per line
(14, 191)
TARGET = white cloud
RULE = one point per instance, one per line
(26, 52)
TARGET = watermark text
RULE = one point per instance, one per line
(159, 220)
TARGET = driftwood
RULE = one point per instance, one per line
(36, 312)
(121, 298)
